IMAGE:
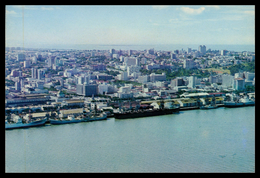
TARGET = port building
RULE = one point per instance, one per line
(31, 99)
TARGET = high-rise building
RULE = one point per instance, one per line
(79, 89)
(128, 61)
(86, 90)
(177, 82)
(20, 57)
(188, 64)
(157, 77)
(192, 81)
(223, 52)
(130, 52)
(80, 80)
(40, 74)
(26, 64)
(34, 73)
(34, 59)
(14, 73)
(150, 51)
(103, 88)
(239, 84)
(249, 76)
(173, 56)
(123, 76)
(18, 86)
(176, 51)
(202, 49)
(143, 79)
(132, 69)
(39, 56)
(189, 50)
(51, 61)
(227, 80)
(112, 51)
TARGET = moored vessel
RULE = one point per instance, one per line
(69, 120)
(97, 117)
(147, 112)
(17, 122)
(212, 104)
(244, 101)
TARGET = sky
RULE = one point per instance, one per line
(129, 25)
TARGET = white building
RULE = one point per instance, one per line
(227, 80)
(128, 61)
(123, 76)
(121, 58)
(192, 81)
(223, 52)
(124, 92)
(249, 76)
(239, 75)
(115, 56)
(70, 72)
(143, 60)
(26, 64)
(188, 64)
(239, 84)
(132, 69)
(103, 88)
(157, 77)
(143, 79)
(152, 66)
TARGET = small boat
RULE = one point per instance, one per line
(98, 117)
(69, 120)
(208, 107)
(18, 123)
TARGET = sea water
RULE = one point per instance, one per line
(218, 140)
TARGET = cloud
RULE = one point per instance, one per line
(174, 20)
(10, 12)
(213, 6)
(27, 7)
(31, 7)
(160, 7)
(47, 8)
(192, 11)
(250, 12)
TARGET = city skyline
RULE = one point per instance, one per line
(34, 26)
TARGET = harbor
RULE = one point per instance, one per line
(124, 110)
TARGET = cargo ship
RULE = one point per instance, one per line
(147, 112)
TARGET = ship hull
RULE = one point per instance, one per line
(58, 122)
(235, 105)
(145, 113)
(19, 126)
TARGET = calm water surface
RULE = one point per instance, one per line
(220, 140)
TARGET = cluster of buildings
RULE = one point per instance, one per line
(116, 73)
